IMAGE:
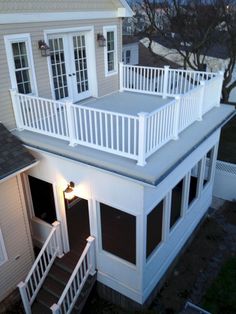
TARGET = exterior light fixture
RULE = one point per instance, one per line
(101, 40)
(44, 48)
(69, 192)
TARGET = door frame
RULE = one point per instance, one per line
(90, 36)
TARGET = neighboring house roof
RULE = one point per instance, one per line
(146, 58)
(13, 155)
(227, 147)
(216, 51)
(130, 39)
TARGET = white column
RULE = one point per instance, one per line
(165, 81)
(121, 73)
(71, 123)
(17, 109)
(55, 309)
(92, 256)
(142, 138)
(176, 118)
(219, 91)
(201, 100)
(57, 225)
(24, 297)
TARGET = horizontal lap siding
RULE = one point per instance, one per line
(13, 6)
(36, 30)
(16, 235)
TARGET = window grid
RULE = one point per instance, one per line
(110, 51)
(22, 69)
(81, 67)
(3, 253)
(58, 68)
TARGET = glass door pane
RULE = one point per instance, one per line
(81, 65)
(58, 65)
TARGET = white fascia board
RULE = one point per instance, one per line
(13, 18)
(19, 171)
(127, 9)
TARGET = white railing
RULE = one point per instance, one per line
(41, 115)
(108, 131)
(160, 81)
(34, 280)
(134, 137)
(84, 268)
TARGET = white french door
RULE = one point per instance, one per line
(69, 66)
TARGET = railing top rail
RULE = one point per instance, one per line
(162, 107)
(105, 111)
(142, 66)
(40, 254)
(86, 249)
(41, 98)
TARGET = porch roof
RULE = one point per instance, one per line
(159, 165)
(13, 155)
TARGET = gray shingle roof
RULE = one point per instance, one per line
(13, 155)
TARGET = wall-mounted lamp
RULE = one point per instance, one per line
(101, 40)
(69, 192)
(45, 49)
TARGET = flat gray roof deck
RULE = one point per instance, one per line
(127, 102)
(158, 165)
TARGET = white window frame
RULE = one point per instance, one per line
(107, 29)
(3, 252)
(16, 38)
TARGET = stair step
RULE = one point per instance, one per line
(59, 274)
(53, 286)
(46, 298)
(38, 308)
(68, 261)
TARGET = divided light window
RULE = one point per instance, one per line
(20, 63)
(110, 50)
(22, 68)
(208, 166)
(176, 203)
(194, 183)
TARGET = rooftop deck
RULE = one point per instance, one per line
(154, 107)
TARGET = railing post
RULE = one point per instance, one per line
(176, 118)
(24, 297)
(142, 138)
(17, 110)
(121, 72)
(55, 309)
(165, 80)
(71, 123)
(201, 100)
(221, 76)
(92, 258)
(57, 225)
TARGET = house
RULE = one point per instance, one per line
(16, 249)
(130, 49)
(126, 153)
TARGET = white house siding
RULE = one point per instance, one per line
(19, 6)
(134, 52)
(36, 30)
(16, 236)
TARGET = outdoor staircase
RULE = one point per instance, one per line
(55, 283)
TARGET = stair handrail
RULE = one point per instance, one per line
(39, 270)
(84, 268)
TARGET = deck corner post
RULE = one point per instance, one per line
(92, 255)
(221, 79)
(201, 100)
(71, 123)
(17, 109)
(176, 118)
(55, 309)
(57, 225)
(24, 297)
(121, 73)
(142, 138)
(165, 81)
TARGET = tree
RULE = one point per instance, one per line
(194, 29)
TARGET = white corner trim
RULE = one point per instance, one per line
(125, 10)
(8, 40)
(3, 252)
(13, 18)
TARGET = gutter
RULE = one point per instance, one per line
(15, 173)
